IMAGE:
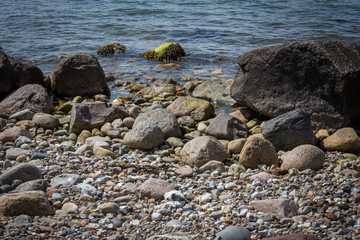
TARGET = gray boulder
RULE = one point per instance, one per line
(320, 77)
(33, 185)
(226, 127)
(80, 74)
(144, 136)
(165, 119)
(23, 171)
(25, 114)
(201, 150)
(15, 74)
(289, 130)
(87, 116)
(32, 96)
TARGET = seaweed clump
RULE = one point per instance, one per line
(111, 48)
(166, 52)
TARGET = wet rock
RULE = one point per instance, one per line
(344, 139)
(198, 109)
(15, 74)
(25, 114)
(154, 188)
(201, 150)
(233, 233)
(87, 116)
(226, 127)
(166, 52)
(46, 121)
(215, 91)
(144, 136)
(283, 208)
(110, 49)
(317, 76)
(165, 119)
(23, 171)
(32, 96)
(79, 75)
(289, 130)
(34, 185)
(11, 134)
(30, 203)
(294, 236)
(257, 151)
(304, 157)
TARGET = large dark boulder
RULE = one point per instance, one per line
(80, 74)
(321, 77)
(32, 96)
(14, 74)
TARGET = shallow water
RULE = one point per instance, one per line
(44, 31)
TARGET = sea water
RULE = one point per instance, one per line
(213, 32)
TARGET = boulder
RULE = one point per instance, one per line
(87, 116)
(196, 108)
(45, 120)
(11, 134)
(15, 74)
(79, 75)
(216, 91)
(33, 185)
(201, 150)
(110, 49)
(257, 151)
(32, 96)
(154, 188)
(31, 203)
(233, 233)
(165, 53)
(304, 157)
(23, 171)
(165, 119)
(289, 130)
(226, 127)
(319, 76)
(144, 136)
(344, 139)
(283, 208)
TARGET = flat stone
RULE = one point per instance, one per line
(262, 176)
(46, 121)
(102, 152)
(11, 134)
(25, 114)
(109, 207)
(283, 208)
(154, 188)
(184, 171)
(30, 203)
(23, 171)
(294, 236)
(13, 153)
(33, 185)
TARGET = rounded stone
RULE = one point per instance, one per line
(304, 157)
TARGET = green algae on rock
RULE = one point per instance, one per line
(165, 53)
(111, 48)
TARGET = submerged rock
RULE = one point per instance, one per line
(165, 53)
(111, 48)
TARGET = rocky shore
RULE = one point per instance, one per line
(163, 163)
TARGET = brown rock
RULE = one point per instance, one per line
(344, 139)
(257, 151)
(304, 157)
(32, 96)
(30, 203)
(23, 171)
(263, 176)
(294, 236)
(244, 114)
(201, 150)
(283, 208)
(87, 116)
(11, 134)
(79, 75)
(154, 188)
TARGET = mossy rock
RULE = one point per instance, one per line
(166, 52)
(110, 49)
